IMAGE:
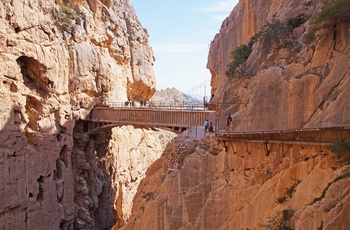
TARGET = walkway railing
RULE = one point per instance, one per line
(322, 136)
(180, 119)
(169, 105)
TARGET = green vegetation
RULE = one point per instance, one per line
(289, 192)
(340, 147)
(274, 32)
(277, 34)
(297, 21)
(67, 16)
(331, 13)
(310, 35)
(346, 175)
(239, 56)
(241, 53)
(280, 221)
(307, 4)
(281, 200)
(148, 196)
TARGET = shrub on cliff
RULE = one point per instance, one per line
(66, 16)
(297, 21)
(340, 147)
(331, 13)
(281, 221)
(239, 56)
(274, 32)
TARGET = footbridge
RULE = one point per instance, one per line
(171, 116)
(179, 117)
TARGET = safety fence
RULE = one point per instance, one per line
(167, 105)
(322, 136)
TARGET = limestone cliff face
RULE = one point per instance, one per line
(284, 90)
(197, 185)
(135, 150)
(56, 64)
(108, 169)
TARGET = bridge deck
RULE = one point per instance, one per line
(180, 119)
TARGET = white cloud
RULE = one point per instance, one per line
(220, 6)
(219, 18)
(177, 48)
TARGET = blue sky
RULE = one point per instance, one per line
(180, 34)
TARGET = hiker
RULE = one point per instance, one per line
(228, 121)
(206, 125)
(211, 128)
(211, 98)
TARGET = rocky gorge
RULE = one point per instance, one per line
(255, 185)
(59, 59)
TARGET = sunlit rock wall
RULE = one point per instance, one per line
(198, 185)
(260, 184)
(284, 90)
(53, 70)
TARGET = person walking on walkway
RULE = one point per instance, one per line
(228, 121)
(206, 125)
(211, 128)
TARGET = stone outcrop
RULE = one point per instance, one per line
(57, 62)
(168, 95)
(197, 185)
(135, 150)
(283, 90)
(108, 170)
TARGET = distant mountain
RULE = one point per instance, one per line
(190, 98)
(173, 95)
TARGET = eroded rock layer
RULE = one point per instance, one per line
(58, 59)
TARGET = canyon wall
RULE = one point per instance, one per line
(261, 185)
(198, 185)
(57, 62)
(283, 89)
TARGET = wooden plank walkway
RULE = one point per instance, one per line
(182, 119)
(103, 117)
(322, 136)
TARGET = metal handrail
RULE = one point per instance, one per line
(176, 105)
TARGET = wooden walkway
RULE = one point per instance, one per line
(176, 120)
(307, 136)
(179, 120)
